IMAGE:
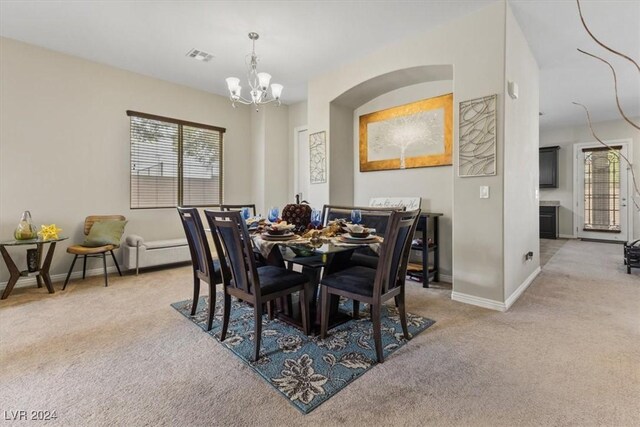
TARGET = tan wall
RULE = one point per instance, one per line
(64, 142)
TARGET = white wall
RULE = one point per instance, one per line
(64, 143)
(474, 46)
(565, 138)
(521, 169)
(297, 118)
(433, 184)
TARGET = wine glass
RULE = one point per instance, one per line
(245, 213)
(356, 216)
(316, 216)
(273, 214)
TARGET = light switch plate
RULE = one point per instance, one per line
(484, 191)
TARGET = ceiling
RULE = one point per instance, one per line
(302, 39)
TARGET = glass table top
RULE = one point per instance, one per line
(14, 242)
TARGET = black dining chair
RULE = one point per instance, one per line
(375, 286)
(244, 280)
(228, 208)
(372, 217)
(252, 208)
(205, 268)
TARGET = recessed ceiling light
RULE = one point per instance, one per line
(200, 55)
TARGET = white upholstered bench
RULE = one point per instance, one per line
(139, 254)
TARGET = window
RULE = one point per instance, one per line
(602, 189)
(174, 162)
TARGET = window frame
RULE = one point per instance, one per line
(180, 123)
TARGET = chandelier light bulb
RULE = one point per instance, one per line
(264, 79)
(276, 90)
(233, 83)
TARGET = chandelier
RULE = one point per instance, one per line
(258, 83)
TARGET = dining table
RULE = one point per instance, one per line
(323, 257)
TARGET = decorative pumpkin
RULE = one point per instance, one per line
(297, 214)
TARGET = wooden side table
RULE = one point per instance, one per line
(41, 274)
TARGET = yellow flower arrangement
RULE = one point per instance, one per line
(49, 232)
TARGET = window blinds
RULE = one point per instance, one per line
(174, 162)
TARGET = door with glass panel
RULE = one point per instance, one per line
(602, 192)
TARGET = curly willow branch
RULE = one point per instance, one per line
(615, 84)
(584, 24)
(618, 153)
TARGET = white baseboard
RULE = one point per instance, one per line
(478, 301)
(31, 281)
(567, 236)
(493, 304)
(516, 294)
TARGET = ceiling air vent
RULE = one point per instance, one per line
(200, 55)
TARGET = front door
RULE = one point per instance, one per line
(602, 191)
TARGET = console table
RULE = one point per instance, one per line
(430, 253)
(41, 274)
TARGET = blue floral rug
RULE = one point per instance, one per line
(306, 370)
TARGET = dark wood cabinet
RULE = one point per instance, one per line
(549, 222)
(549, 167)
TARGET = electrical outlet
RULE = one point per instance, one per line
(484, 191)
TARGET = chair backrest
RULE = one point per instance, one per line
(394, 252)
(228, 208)
(372, 217)
(90, 220)
(231, 238)
(198, 244)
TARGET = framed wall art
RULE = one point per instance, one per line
(477, 154)
(318, 158)
(413, 135)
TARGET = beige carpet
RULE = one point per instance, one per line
(548, 248)
(567, 353)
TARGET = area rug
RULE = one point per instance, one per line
(306, 370)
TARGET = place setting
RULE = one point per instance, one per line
(358, 234)
(279, 232)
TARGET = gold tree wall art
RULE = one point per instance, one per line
(413, 135)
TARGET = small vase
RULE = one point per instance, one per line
(25, 229)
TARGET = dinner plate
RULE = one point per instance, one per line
(280, 237)
(348, 239)
(368, 237)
